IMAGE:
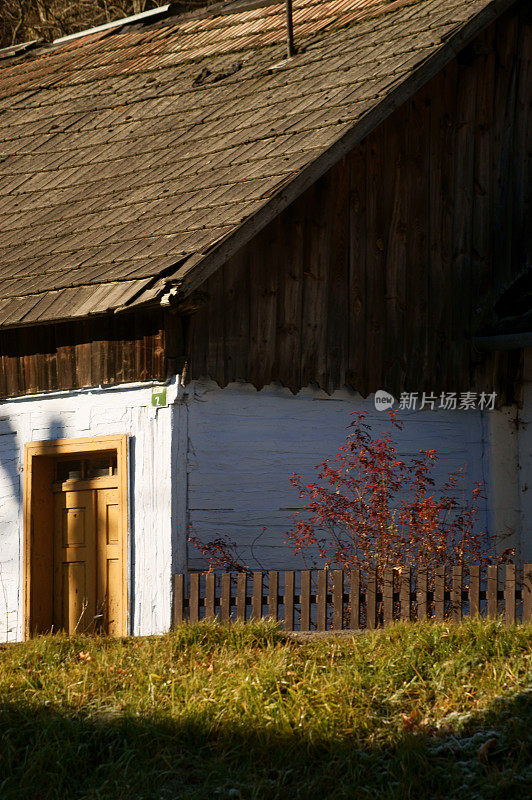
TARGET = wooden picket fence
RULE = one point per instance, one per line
(335, 600)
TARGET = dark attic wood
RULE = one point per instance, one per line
(71, 355)
(382, 273)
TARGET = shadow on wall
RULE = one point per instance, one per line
(198, 756)
(9, 464)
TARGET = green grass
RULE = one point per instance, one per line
(414, 711)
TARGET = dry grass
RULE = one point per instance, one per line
(415, 711)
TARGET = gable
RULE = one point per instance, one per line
(383, 273)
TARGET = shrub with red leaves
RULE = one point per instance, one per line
(370, 508)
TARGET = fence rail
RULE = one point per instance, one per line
(335, 600)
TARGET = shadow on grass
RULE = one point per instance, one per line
(46, 753)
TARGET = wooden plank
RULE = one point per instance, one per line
(474, 590)
(356, 374)
(321, 602)
(236, 316)
(179, 599)
(387, 596)
(527, 593)
(263, 278)
(396, 352)
(442, 105)
(404, 593)
(256, 600)
(305, 600)
(456, 593)
(241, 590)
(354, 599)
(439, 593)
(290, 296)
(422, 593)
(225, 601)
(482, 272)
(504, 130)
(338, 599)
(509, 595)
(289, 588)
(377, 215)
(210, 590)
(371, 599)
(315, 291)
(493, 585)
(215, 342)
(194, 597)
(273, 595)
(336, 231)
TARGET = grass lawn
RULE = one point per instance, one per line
(414, 711)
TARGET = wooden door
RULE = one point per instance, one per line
(88, 590)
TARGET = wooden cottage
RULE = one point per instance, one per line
(210, 254)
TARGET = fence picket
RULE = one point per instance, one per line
(256, 600)
(179, 599)
(421, 593)
(322, 600)
(241, 591)
(194, 597)
(387, 596)
(509, 595)
(456, 593)
(354, 599)
(404, 593)
(474, 590)
(305, 600)
(493, 585)
(371, 599)
(225, 604)
(273, 595)
(439, 593)
(289, 588)
(527, 593)
(338, 599)
(210, 595)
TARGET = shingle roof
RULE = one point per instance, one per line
(133, 159)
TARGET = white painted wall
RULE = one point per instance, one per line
(244, 444)
(219, 460)
(92, 413)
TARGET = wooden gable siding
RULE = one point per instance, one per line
(99, 351)
(378, 276)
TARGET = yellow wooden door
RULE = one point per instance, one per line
(88, 590)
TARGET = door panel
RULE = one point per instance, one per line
(74, 561)
(109, 560)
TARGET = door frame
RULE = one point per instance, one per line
(39, 460)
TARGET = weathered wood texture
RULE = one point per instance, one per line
(380, 274)
(357, 599)
(100, 351)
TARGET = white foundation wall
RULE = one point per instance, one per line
(121, 410)
(244, 444)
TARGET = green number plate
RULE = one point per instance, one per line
(158, 396)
